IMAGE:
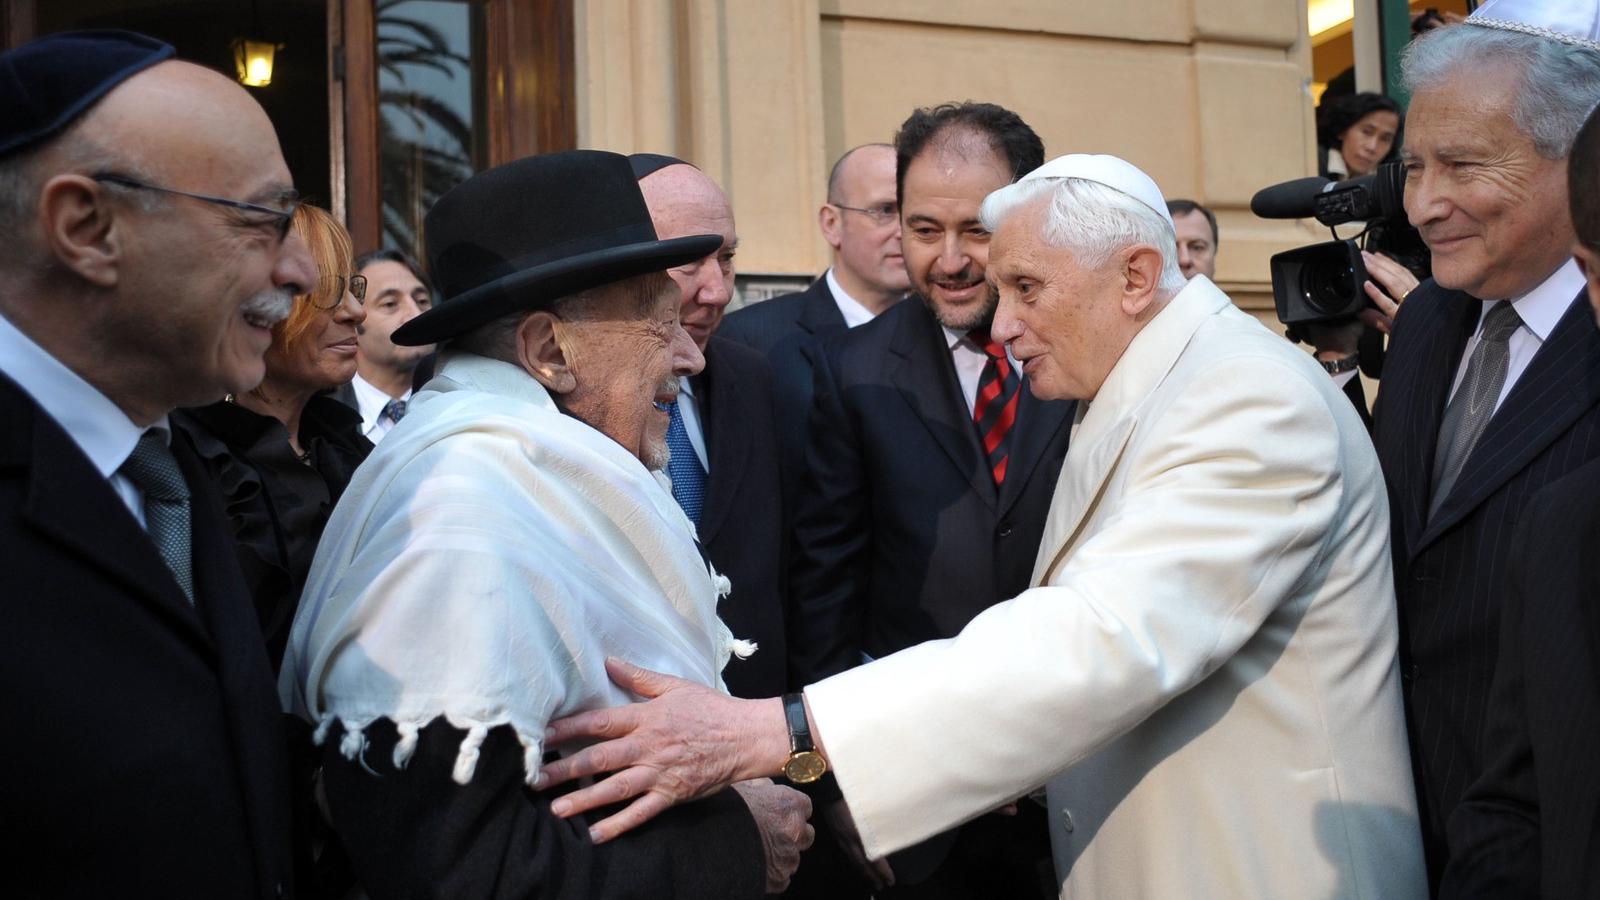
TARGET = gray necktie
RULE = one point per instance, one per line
(1473, 405)
(153, 469)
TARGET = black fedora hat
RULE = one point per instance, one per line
(518, 236)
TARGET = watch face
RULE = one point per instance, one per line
(805, 767)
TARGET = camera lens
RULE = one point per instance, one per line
(1328, 285)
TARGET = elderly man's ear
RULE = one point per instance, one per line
(81, 231)
(1141, 275)
(543, 350)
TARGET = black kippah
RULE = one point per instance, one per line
(645, 163)
(47, 83)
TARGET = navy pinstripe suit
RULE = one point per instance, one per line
(1451, 572)
(1530, 827)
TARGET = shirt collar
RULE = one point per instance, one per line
(686, 385)
(99, 427)
(371, 400)
(852, 309)
(1336, 164)
(1541, 308)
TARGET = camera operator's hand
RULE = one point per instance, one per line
(1388, 285)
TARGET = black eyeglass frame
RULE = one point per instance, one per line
(285, 217)
(879, 216)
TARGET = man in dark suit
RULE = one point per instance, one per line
(724, 466)
(148, 254)
(861, 222)
(930, 469)
(1530, 825)
(1491, 388)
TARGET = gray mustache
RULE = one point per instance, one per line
(272, 305)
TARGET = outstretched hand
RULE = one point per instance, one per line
(686, 742)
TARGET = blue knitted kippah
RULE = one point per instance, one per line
(47, 83)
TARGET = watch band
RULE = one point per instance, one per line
(1341, 365)
(794, 709)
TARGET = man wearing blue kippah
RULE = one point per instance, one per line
(144, 207)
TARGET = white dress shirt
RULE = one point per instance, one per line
(99, 427)
(371, 401)
(853, 311)
(689, 409)
(1540, 309)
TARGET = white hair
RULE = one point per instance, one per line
(1092, 221)
(1560, 82)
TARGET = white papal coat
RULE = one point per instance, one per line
(1205, 670)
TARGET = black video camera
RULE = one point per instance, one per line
(1323, 282)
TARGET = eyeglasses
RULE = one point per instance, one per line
(354, 284)
(882, 214)
(283, 216)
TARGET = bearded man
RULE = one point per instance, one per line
(505, 537)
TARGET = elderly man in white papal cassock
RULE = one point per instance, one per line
(1204, 672)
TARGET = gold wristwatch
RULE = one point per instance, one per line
(805, 764)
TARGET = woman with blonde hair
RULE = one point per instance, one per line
(283, 452)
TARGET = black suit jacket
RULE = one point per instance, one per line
(146, 753)
(1451, 572)
(1530, 825)
(900, 534)
(787, 330)
(741, 524)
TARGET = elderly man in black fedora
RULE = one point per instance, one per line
(507, 536)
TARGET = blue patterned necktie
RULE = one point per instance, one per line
(154, 470)
(688, 479)
(394, 411)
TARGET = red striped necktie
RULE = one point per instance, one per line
(995, 410)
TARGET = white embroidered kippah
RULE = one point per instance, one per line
(1575, 22)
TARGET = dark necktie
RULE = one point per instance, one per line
(394, 411)
(153, 469)
(995, 409)
(683, 468)
(1473, 405)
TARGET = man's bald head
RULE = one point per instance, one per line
(861, 222)
(156, 299)
(176, 124)
(683, 201)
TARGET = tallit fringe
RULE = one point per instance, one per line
(353, 743)
(743, 648)
(467, 758)
(406, 745)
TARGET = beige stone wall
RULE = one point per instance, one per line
(1209, 96)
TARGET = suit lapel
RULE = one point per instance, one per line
(1561, 383)
(1082, 481)
(819, 312)
(69, 503)
(1452, 320)
(1038, 421)
(242, 666)
(727, 448)
(926, 379)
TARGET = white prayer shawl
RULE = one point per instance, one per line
(484, 562)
